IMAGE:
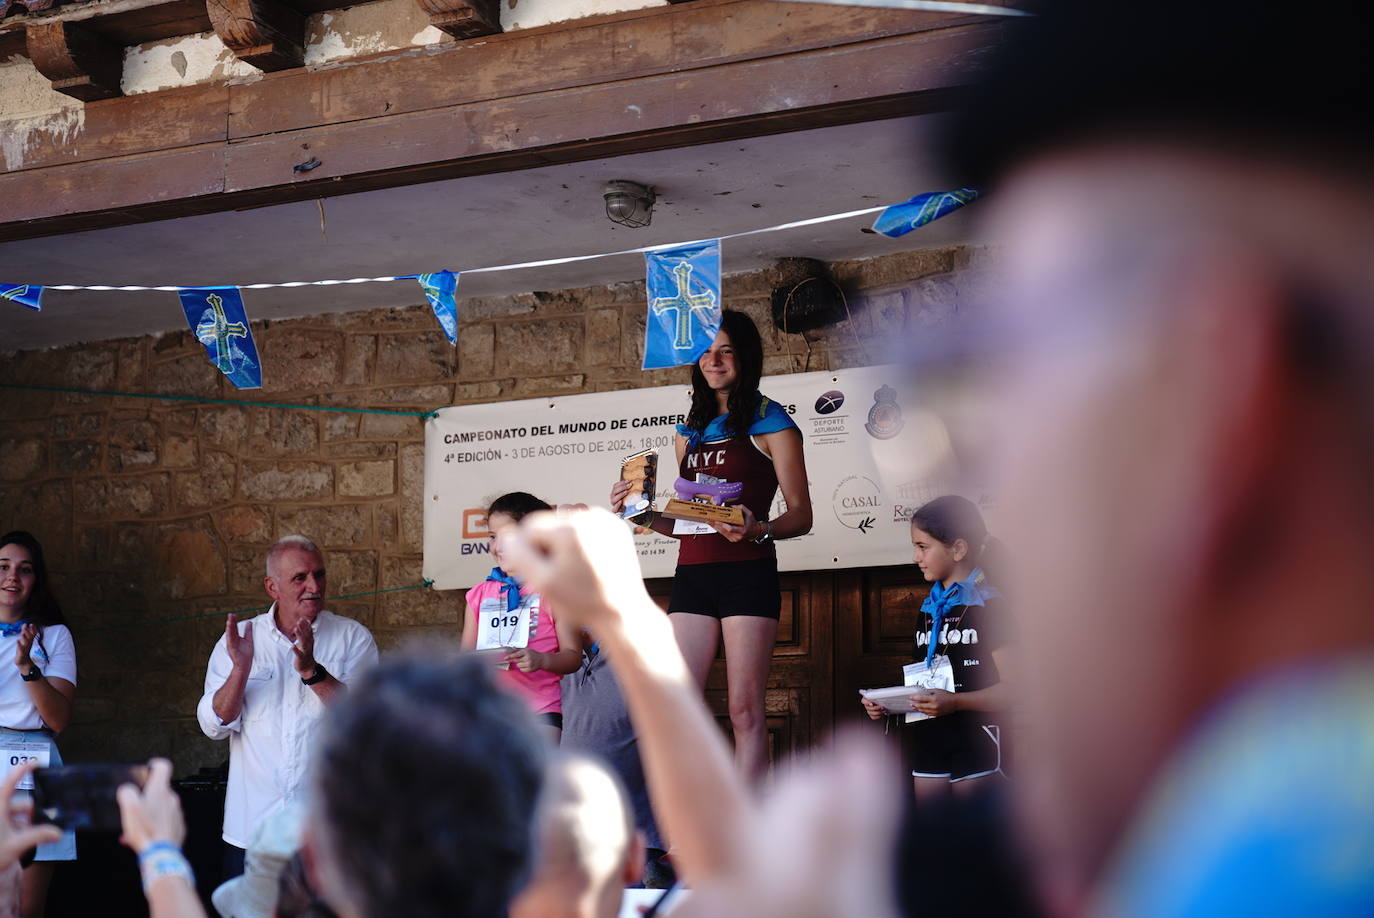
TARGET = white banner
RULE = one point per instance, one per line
(872, 458)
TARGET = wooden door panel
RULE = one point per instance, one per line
(876, 614)
(799, 700)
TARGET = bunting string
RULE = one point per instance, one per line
(543, 263)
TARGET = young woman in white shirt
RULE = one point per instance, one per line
(37, 684)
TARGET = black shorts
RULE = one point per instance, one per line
(552, 718)
(725, 588)
(955, 747)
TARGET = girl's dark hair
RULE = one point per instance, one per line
(42, 609)
(517, 505)
(951, 518)
(748, 346)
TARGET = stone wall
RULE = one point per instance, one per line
(155, 511)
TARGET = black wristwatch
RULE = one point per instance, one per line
(321, 674)
(33, 675)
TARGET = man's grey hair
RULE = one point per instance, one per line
(286, 543)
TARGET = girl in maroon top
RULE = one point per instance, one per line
(726, 583)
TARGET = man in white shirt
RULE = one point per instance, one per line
(267, 686)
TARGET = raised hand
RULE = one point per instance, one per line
(239, 646)
(619, 491)
(820, 845)
(24, 647)
(304, 648)
(584, 561)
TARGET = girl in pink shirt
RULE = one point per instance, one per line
(499, 614)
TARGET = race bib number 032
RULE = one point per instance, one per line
(12, 754)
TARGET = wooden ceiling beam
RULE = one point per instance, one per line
(464, 18)
(221, 168)
(79, 62)
(268, 34)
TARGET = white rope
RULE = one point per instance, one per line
(513, 267)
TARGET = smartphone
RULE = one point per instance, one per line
(83, 796)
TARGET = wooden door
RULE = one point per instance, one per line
(799, 703)
(840, 631)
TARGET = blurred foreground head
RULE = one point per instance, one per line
(587, 847)
(425, 789)
(1183, 197)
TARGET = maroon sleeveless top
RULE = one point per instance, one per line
(735, 459)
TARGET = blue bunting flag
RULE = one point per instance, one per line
(28, 295)
(900, 219)
(441, 289)
(218, 319)
(683, 287)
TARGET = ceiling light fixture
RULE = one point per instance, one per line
(629, 203)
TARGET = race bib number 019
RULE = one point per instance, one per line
(497, 627)
(12, 754)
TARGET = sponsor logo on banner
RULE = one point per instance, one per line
(830, 428)
(857, 502)
(475, 523)
(885, 417)
(475, 533)
(912, 495)
(829, 402)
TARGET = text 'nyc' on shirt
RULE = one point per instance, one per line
(724, 456)
(271, 740)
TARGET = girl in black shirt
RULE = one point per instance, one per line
(962, 620)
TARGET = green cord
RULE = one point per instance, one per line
(425, 584)
(422, 415)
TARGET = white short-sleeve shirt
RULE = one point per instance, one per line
(55, 656)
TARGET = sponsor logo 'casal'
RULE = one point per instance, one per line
(857, 503)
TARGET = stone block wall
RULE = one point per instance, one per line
(156, 514)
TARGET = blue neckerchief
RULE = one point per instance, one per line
(509, 585)
(768, 417)
(970, 592)
(10, 630)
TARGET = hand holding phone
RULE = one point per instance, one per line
(17, 836)
(152, 814)
(83, 796)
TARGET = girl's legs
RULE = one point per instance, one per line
(551, 733)
(749, 643)
(33, 891)
(698, 637)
